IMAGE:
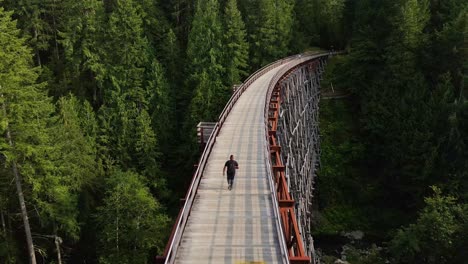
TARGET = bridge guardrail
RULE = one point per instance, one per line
(177, 231)
(277, 180)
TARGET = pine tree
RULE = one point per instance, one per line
(24, 116)
(205, 63)
(235, 44)
(127, 94)
(171, 58)
(81, 36)
(305, 28)
(38, 21)
(180, 15)
(271, 31)
(439, 223)
(395, 116)
(162, 108)
(330, 22)
(131, 221)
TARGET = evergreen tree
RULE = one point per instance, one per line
(38, 21)
(127, 97)
(235, 44)
(131, 221)
(162, 108)
(180, 14)
(434, 236)
(446, 49)
(24, 116)
(305, 28)
(395, 114)
(331, 22)
(81, 37)
(171, 58)
(271, 31)
(205, 64)
(451, 136)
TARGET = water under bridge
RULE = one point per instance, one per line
(270, 125)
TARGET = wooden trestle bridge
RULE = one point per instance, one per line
(270, 125)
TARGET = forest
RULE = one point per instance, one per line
(100, 100)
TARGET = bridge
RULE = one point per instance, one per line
(270, 125)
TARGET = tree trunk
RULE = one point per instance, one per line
(3, 223)
(24, 212)
(19, 189)
(58, 241)
(55, 32)
(38, 56)
(6, 235)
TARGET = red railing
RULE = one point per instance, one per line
(290, 228)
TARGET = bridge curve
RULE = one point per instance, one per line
(246, 224)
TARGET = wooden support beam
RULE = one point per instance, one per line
(299, 260)
(275, 148)
(286, 203)
(277, 168)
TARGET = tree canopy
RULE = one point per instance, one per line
(100, 99)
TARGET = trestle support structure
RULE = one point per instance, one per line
(293, 135)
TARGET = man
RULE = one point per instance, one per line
(231, 166)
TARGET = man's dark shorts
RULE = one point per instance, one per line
(230, 176)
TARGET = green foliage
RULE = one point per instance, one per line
(52, 178)
(26, 109)
(205, 64)
(337, 218)
(152, 69)
(384, 72)
(410, 105)
(37, 20)
(75, 140)
(319, 23)
(135, 92)
(81, 38)
(131, 221)
(434, 236)
(236, 48)
(271, 30)
(161, 107)
(171, 59)
(372, 255)
(341, 151)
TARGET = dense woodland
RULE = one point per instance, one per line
(100, 100)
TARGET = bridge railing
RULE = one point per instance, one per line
(278, 182)
(178, 229)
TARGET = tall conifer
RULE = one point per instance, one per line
(271, 31)
(128, 84)
(205, 63)
(131, 222)
(81, 36)
(236, 47)
(24, 116)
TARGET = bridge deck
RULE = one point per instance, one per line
(236, 226)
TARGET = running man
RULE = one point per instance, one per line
(231, 166)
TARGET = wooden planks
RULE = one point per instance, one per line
(236, 226)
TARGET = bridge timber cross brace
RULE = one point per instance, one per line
(293, 123)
